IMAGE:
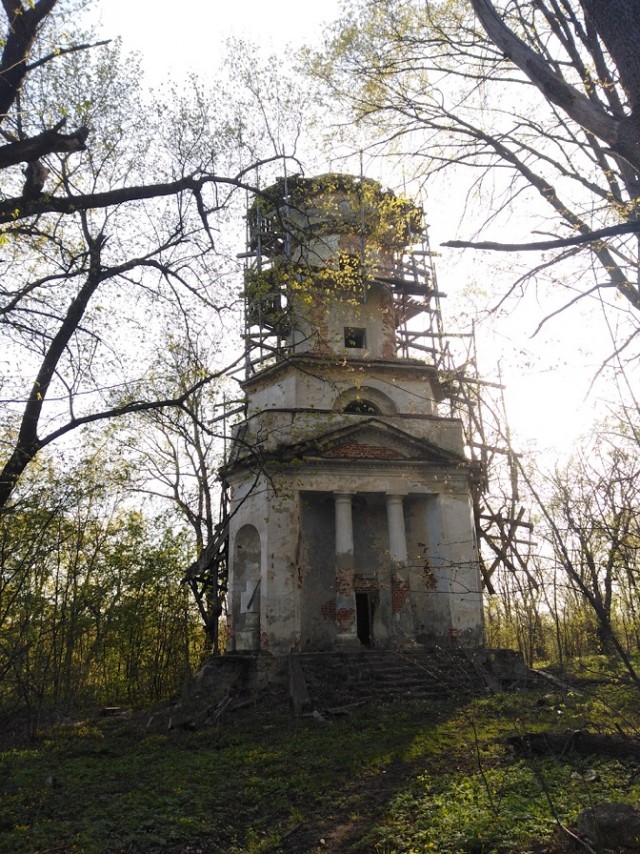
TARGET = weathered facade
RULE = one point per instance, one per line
(350, 512)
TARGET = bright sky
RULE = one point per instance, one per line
(177, 39)
(546, 377)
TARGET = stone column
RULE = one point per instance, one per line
(400, 588)
(346, 624)
(397, 532)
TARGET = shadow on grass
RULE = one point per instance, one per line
(403, 776)
(253, 783)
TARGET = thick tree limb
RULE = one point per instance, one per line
(618, 25)
(28, 443)
(19, 208)
(542, 245)
(618, 280)
(24, 22)
(47, 142)
(619, 133)
(548, 192)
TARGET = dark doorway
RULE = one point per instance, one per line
(364, 618)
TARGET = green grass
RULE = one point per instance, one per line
(406, 777)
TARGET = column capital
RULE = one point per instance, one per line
(394, 498)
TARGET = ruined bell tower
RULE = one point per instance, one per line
(350, 519)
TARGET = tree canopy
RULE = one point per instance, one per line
(108, 229)
(538, 99)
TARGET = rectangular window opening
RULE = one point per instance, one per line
(355, 339)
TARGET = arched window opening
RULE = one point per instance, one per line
(364, 400)
(362, 407)
(245, 592)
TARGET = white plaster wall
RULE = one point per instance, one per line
(453, 555)
(428, 608)
(244, 598)
(319, 384)
(279, 393)
(281, 627)
(367, 315)
(368, 476)
(276, 428)
(254, 511)
(319, 251)
(275, 514)
(317, 582)
(465, 584)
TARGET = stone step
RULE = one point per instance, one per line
(335, 678)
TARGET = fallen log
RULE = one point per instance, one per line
(575, 741)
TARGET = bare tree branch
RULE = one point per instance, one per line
(65, 51)
(619, 132)
(18, 208)
(542, 245)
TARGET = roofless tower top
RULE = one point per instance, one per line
(330, 272)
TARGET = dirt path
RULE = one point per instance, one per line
(363, 801)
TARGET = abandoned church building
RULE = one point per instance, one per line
(350, 514)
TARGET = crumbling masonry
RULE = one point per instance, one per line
(351, 520)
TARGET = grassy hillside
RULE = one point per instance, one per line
(397, 777)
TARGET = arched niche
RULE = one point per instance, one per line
(245, 598)
(364, 400)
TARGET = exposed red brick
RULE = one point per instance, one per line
(345, 618)
(389, 350)
(357, 450)
(399, 595)
(430, 580)
(364, 585)
(319, 326)
(344, 582)
(328, 610)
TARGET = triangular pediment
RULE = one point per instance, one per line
(371, 440)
